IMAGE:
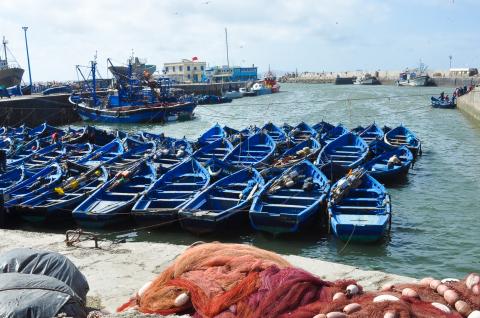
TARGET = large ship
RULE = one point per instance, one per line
(10, 73)
(139, 69)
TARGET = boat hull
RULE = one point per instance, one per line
(151, 114)
(11, 76)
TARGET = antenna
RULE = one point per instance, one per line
(5, 49)
(226, 43)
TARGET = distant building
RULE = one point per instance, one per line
(186, 71)
(463, 72)
(221, 74)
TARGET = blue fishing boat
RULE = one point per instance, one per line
(390, 166)
(130, 102)
(218, 169)
(322, 127)
(112, 202)
(38, 182)
(57, 203)
(103, 154)
(212, 134)
(287, 128)
(291, 201)
(217, 149)
(277, 134)
(135, 151)
(333, 134)
(378, 146)
(346, 152)
(254, 151)
(302, 132)
(307, 149)
(402, 136)
(163, 199)
(222, 205)
(371, 133)
(438, 103)
(22, 151)
(11, 178)
(170, 152)
(359, 208)
(358, 130)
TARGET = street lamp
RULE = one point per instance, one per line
(28, 57)
(450, 57)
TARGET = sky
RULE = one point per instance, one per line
(287, 35)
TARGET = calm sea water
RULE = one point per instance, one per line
(435, 227)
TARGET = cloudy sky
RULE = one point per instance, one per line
(310, 35)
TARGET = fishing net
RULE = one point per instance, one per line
(240, 281)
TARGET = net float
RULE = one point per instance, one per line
(351, 308)
(381, 298)
(442, 307)
(181, 300)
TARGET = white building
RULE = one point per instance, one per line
(186, 71)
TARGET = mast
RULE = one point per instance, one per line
(94, 83)
(226, 44)
(5, 49)
(28, 57)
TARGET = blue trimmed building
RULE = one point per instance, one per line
(222, 74)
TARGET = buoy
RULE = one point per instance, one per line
(387, 287)
(144, 288)
(181, 300)
(336, 314)
(451, 296)
(442, 307)
(390, 314)
(476, 289)
(381, 298)
(320, 316)
(474, 314)
(408, 292)
(441, 289)
(449, 280)
(352, 289)
(472, 280)
(426, 281)
(338, 296)
(434, 284)
(351, 308)
(463, 308)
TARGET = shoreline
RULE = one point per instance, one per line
(115, 271)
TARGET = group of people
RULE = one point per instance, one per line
(459, 91)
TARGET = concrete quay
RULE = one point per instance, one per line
(470, 103)
(116, 271)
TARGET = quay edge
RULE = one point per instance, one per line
(116, 271)
(470, 103)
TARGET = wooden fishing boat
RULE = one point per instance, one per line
(290, 201)
(307, 149)
(302, 132)
(90, 134)
(438, 103)
(390, 166)
(223, 205)
(136, 152)
(277, 133)
(11, 178)
(358, 130)
(163, 199)
(371, 133)
(287, 128)
(217, 149)
(170, 152)
(346, 152)
(333, 134)
(103, 154)
(112, 202)
(254, 151)
(212, 134)
(218, 169)
(57, 203)
(359, 208)
(38, 182)
(402, 136)
(322, 127)
(22, 151)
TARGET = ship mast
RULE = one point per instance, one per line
(226, 44)
(5, 49)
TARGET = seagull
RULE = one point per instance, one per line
(206, 2)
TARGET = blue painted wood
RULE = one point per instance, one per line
(254, 151)
(287, 209)
(402, 136)
(380, 169)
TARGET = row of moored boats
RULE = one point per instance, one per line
(280, 179)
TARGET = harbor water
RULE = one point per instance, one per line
(435, 228)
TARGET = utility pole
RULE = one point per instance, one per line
(450, 57)
(226, 43)
(28, 57)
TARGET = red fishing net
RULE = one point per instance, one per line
(240, 281)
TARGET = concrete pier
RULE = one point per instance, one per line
(209, 88)
(470, 103)
(33, 110)
(116, 271)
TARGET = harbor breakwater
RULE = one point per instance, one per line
(470, 103)
(438, 78)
